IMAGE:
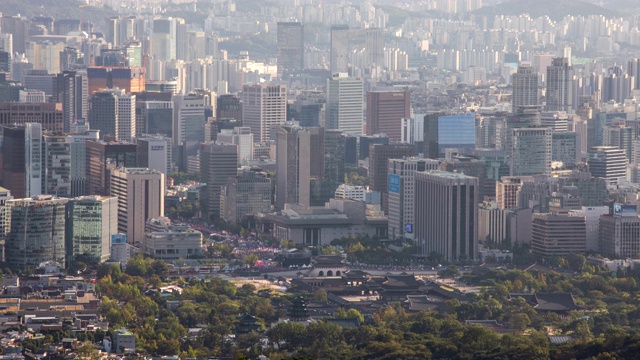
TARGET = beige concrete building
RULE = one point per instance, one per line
(140, 194)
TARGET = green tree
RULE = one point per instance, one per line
(250, 259)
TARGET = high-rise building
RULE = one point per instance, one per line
(385, 111)
(188, 126)
(334, 156)
(91, 220)
(608, 162)
(339, 57)
(79, 160)
(401, 174)
(558, 121)
(507, 192)
(441, 132)
(620, 232)
(129, 78)
(229, 106)
(156, 118)
(21, 170)
(100, 158)
(293, 160)
(290, 51)
(240, 136)
(621, 137)
(18, 26)
(446, 215)
(39, 79)
(559, 90)
(558, 234)
(113, 112)
(564, 148)
(531, 151)
(264, 107)
(36, 233)
(56, 174)
(48, 115)
(344, 107)
(140, 194)
(71, 89)
(5, 195)
(525, 87)
(379, 156)
(154, 152)
(217, 163)
(169, 39)
(246, 194)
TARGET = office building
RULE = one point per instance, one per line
(240, 136)
(379, 156)
(129, 79)
(56, 174)
(344, 107)
(102, 156)
(621, 137)
(558, 234)
(443, 132)
(608, 162)
(470, 166)
(363, 143)
(156, 118)
(264, 107)
(558, 121)
(5, 195)
(308, 113)
(559, 90)
(352, 192)
(217, 163)
(121, 251)
(140, 194)
(229, 107)
(78, 172)
(113, 112)
(564, 148)
(339, 56)
(592, 216)
(620, 232)
(334, 157)
(525, 87)
(170, 242)
(531, 151)
(290, 49)
(385, 111)
(446, 215)
(189, 114)
(36, 232)
(293, 160)
(91, 221)
(401, 203)
(244, 195)
(32, 96)
(70, 88)
(507, 192)
(492, 224)
(48, 115)
(154, 152)
(22, 163)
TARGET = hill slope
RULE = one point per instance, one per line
(555, 9)
(58, 9)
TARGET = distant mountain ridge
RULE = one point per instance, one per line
(58, 9)
(555, 9)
